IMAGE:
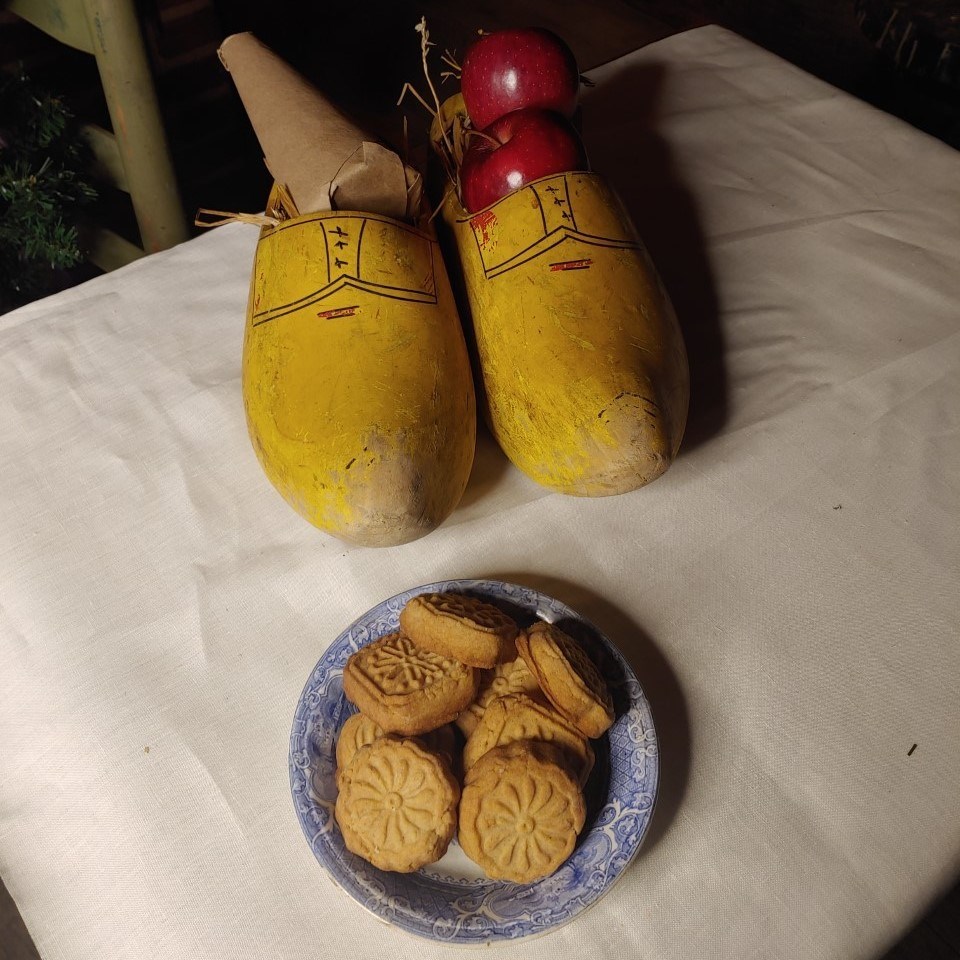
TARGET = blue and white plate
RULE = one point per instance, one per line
(451, 900)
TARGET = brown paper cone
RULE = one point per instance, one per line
(325, 161)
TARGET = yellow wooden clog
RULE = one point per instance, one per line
(584, 371)
(356, 379)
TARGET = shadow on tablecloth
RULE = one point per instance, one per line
(15, 942)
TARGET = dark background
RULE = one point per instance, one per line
(361, 54)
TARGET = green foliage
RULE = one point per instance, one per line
(42, 185)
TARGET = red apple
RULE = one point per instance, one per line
(513, 69)
(512, 151)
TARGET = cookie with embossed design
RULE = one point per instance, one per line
(358, 730)
(520, 812)
(519, 717)
(568, 677)
(454, 625)
(503, 679)
(405, 688)
(397, 804)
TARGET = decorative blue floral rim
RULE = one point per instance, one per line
(620, 793)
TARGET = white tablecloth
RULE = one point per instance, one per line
(787, 591)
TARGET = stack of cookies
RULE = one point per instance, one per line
(526, 702)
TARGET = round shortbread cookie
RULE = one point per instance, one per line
(397, 804)
(453, 625)
(519, 717)
(520, 812)
(568, 677)
(358, 730)
(406, 689)
(503, 679)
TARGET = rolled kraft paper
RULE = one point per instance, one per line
(584, 370)
(321, 156)
(374, 179)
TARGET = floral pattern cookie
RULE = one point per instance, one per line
(519, 717)
(502, 680)
(520, 812)
(397, 804)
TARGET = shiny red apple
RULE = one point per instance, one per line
(514, 69)
(519, 147)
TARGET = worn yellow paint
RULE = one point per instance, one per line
(356, 381)
(585, 383)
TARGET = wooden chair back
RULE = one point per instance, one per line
(135, 155)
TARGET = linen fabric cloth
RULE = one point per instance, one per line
(787, 592)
